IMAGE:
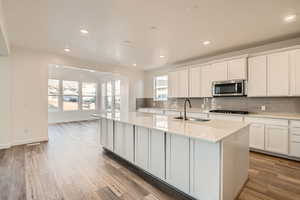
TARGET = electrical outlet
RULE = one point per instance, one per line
(263, 108)
(202, 106)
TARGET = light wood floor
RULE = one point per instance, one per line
(70, 166)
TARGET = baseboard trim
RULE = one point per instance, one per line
(275, 154)
(28, 141)
(5, 146)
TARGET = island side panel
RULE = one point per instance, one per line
(234, 163)
(205, 170)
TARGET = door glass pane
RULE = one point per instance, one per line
(70, 88)
(108, 103)
(108, 88)
(53, 87)
(88, 103)
(117, 87)
(70, 103)
(53, 103)
(117, 102)
(89, 89)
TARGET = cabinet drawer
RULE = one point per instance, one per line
(295, 124)
(276, 122)
(295, 131)
(295, 149)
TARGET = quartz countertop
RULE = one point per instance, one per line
(211, 131)
(273, 115)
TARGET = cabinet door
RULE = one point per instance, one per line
(206, 81)
(257, 136)
(237, 69)
(195, 82)
(173, 84)
(119, 139)
(295, 72)
(278, 74)
(277, 139)
(257, 76)
(110, 134)
(157, 153)
(219, 71)
(142, 147)
(183, 83)
(177, 165)
(129, 142)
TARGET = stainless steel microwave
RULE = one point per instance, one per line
(229, 88)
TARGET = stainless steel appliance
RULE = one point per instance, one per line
(229, 88)
(240, 112)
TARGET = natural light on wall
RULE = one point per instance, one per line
(160, 88)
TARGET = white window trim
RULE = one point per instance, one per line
(61, 95)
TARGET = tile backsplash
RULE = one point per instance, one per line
(272, 104)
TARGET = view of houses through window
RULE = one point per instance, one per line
(71, 95)
(160, 88)
(111, 95)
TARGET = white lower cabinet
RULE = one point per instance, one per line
(157, 153)
(295, 142)
(124, 140)
(178, 161)
(257, 136)
(142, 147)
(107, 133)
(277, 139)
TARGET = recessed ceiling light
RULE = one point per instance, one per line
(206, 42)
(161, 56)
(290, 18)
(134, 64)
(84, 31)
(67, 50)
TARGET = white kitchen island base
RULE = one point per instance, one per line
(203, 169)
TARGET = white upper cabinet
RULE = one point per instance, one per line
(178, 83)
(237, 69)
(195, 82)
(257, 76)
(219, 71)
(206, 81)
(183, 83)
(172, 84)
(295, 72)
(278, 74)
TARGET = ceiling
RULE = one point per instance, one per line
(126, 32)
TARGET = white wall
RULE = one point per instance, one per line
(29, 90)
(149, 75)
(5, 111)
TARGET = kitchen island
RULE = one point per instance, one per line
(207, 160)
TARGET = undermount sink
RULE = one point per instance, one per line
(193, 119)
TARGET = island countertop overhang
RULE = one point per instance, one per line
(211, 131)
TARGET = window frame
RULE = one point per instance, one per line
(95, 96)
(155, 88)
(80, 96)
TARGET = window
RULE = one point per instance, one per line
(161, 88)
(53, 95)
(70, 95)
(89, 96)
(111, 95)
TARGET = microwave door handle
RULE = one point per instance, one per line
(236, 88)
